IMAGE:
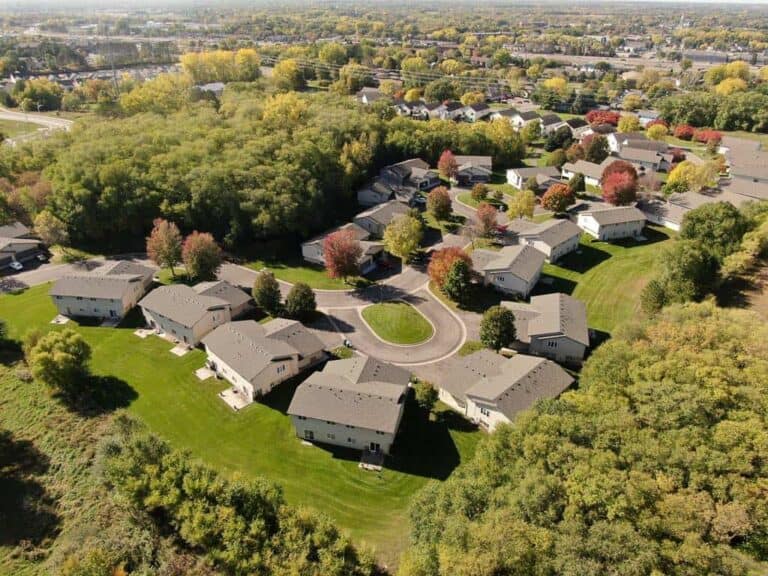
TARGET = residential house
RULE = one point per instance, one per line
(618, 140)
(476, 112)
(312, 250)
(181, 313)
(553, 326)
(255, 357)
(368, 95)
(513, 269)
(554, 238)
(109, 292)
(522, 381)
(544, 175)
(647, 116)
(401, 181)
(473, 170)
(578, 127)
(746, 159)
(550, 123)
(17, 244)
(612, 223)
(523, 119)
(356, 403)
(506, 114)
(593, 173)
(462, 372)
(376, 219)
(650, 160)
(450, 110)
(239, 301)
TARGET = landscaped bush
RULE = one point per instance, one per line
(684, 131)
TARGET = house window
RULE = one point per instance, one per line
(79, 297)
(350, 427)
(500, 278)
(379, 432)
(281, 369)
(552, 343)
(351, 440)
(302, 417)
(330, 422)
(309, 435)
(485, 412)
(331, 436)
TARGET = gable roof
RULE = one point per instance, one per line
(589, 169)
(577, 123)
(550, 119)
(360, 391)
(181, 304)
(479, 107)
(246, 348)
(506, 113)
(295, 334)
(525, 173)
(522, 261)
(551, 315)
(633, 154)
(482, 161)
(464, 371)
(553, 232)
(616, 215)
(523, 381)
(110, 281)
(224, 290)
(14, 230)
(384, 213)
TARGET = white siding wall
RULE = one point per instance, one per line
(448, 398)
(485, 414)
(340, 435)
(558, 349)
(89, 307)
(508, 282)
(609, 232)
(514, 178)
(191, 336)
(313, 252)
(270, 377)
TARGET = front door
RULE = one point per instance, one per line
(375, 447)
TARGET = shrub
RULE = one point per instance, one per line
(684, 131)
(497, 328)
(300, 302)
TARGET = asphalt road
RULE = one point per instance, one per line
(46, 123)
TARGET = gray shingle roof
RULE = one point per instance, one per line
(550, 119)
(224, 290)
(483, 161)
(525, 173)
(522, 261)
(360, 392)
(553, 232)
(589, 169)
(384, 213)
(245, 347)
(110, 281)
(616, 215)
(464, 371)
(552, 315)
(181, 304)
(14, 230)
(523, 381)
(295, 334)
(637, 154)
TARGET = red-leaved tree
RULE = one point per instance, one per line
(441, 263)
(684, 131)
(619, 188)
(447, 164)
(706, 136)
(603, 117)
(201, 255)
(558, 197)
(342, 251)
(164, 245)
(486, 218)
(619, 166)
(678, 155)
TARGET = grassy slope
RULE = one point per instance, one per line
(608, 277)
(163, 391)
(14, 128)
(398, 322)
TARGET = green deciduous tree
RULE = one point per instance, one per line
(300, 302)
(266, 293)
(60, 359)
(497, 328)
(716, 227)
(458, 281)
(403, 236)
(439, 203)
(164, 245)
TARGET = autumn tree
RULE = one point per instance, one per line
(656, 132)
(287, 75)
(342, 253)
(441, 262)
(266, 293)
(479, 192)
(486, 218)
(629, 123)
(51, 230)
(557, 198)
(60, 359)
(717, 227)
(164, 245)
(447, 165)
(619, 188)
(497, 327)
(522, 204)
(439, 203)
(403, 236)
(596, 148)
(201, 255)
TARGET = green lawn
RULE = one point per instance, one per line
(163, 391)
(398, 322)
(449, 226)
(607, 276)
(14, 128)
(466, 198)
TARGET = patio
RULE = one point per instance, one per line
(234, 399)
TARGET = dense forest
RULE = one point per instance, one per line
(255, 165)
(655, 465)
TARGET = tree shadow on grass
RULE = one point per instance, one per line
(424, 446)
(549, 284)
(27, 511)
(10, 352)
(584, 258)
(94, 395)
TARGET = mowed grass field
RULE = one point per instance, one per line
(163, 391)
(607, 276)
(14, 128)
(398, 322)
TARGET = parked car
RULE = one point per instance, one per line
(42, 257)
(16, 265)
